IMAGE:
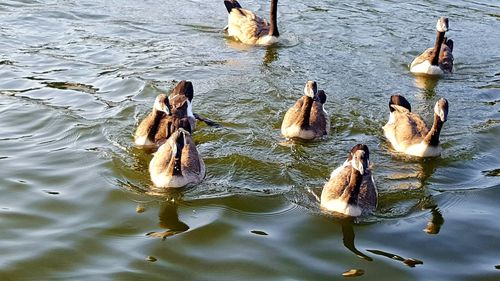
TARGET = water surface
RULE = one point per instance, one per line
(77, 76)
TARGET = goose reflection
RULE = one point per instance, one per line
(169, 220)
(348, 237)
(411, 262)
(435, 222)
(271, 55)
(427, 84)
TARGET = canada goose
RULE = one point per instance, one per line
(177, 162)
(250, 29)
(439, 59)
(178, 117)
(351, 189)
(307, 119)
(185, 88)
(407, 132)
(150, 132)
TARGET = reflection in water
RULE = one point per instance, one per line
(436, 221)
(427, 84)
(428, 167)
(348, 237)
(271, 55)
(409, 262)
(169, 220)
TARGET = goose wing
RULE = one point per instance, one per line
(446, 56)
(191, 161)
(368, 192)
(425, 56)
(338, 182)
(246, 26)
(319, 120)
(409, 128)
(293, 113)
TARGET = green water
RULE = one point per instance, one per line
(77, 76)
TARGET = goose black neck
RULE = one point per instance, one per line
(306, 112)
(353, 188)
(437, 48)
(157, 116)
(273, 17)
(179, 142)
(432, 137)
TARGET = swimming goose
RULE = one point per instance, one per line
(307, 119)
(178, 117)
(250, 29)
(177, 162)
(407, 131)
(351, 189)
(439, 59)
(185, 88)
(150, 132)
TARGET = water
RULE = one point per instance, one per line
(77, 76)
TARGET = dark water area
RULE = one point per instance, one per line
(77, 202)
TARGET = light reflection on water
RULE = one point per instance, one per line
(77, 203)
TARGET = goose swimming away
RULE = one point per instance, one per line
(351, 190)
(307, 118)
(248, 28)
(407, 131)
(185, 88)
(151, 130)
(177, 162)
(438, 59)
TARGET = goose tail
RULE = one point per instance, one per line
(231, 4)
(449, 43)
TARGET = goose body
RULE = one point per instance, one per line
(177, 162)
(248, 28)
(351, 189)
(151, 130)
(438, 59)
(307, 118)
(407, 131)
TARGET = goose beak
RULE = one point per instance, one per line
(359, 161)
(441, 109)
(311, 89)
(442, 24)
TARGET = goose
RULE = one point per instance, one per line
(407, 132)
(185, 88)
(150, 131)
(250, 29)
(177, 162)
(178, 117)
(307, 119)
(439, 59)
(351, 190)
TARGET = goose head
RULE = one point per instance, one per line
(179, 106)
(441, 109)
(359, 158)
(311, 89)
(442, 24)
(162, 103)
(184, 88)
(399, 100)
(321, 96)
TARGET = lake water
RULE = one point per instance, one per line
(77, 76)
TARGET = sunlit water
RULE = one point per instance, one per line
(77, 76)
